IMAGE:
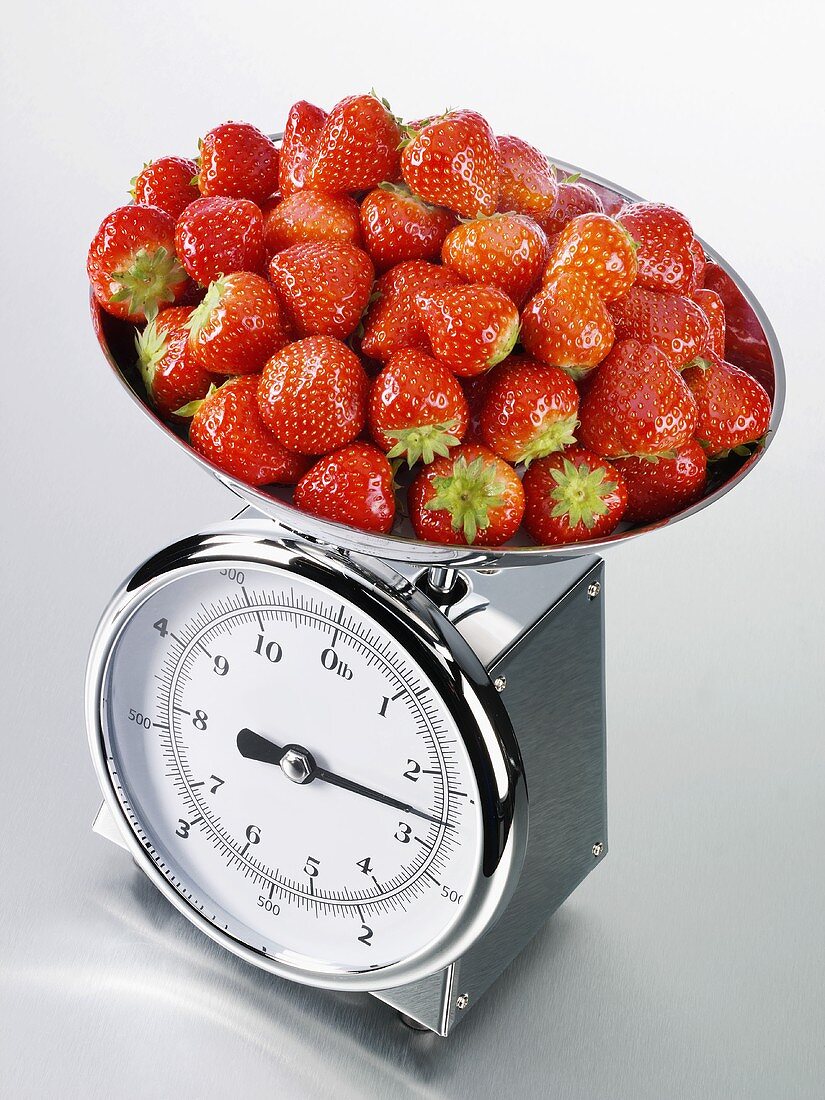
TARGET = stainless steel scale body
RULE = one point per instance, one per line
(526, 648)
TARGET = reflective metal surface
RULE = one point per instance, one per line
(116, 341)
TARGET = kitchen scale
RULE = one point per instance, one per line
(364, 762)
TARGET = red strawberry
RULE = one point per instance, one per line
(170, 372)
(301, 132)
(453, 161)
(572, 496)
(567, 324)
(357, 147)
(228, 430)
(311, 216)
(699, 265)
(132, 265)
(527, 181)
(529, 410)
(216, 236)
(417, 409)
(636, 403)
(661, 487)
(733, 409)
(672, 323)
(573, 198)
(237, 326)
(507, 250)
(745, 338)
(238, 161)
(472, 497)
(711, 305)
(664, 240)
(475, 393)
(399, 226)
(602, 249)
(324, 286)
(167, 184)
(470, 328)
(313, 395)
(611, 200)
(353, 485)
(392, 322)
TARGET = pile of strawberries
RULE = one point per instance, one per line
(375, 303)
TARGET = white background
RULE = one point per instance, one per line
(693, 962)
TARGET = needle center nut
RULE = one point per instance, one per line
(298, 764)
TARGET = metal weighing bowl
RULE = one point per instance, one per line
(762, 359)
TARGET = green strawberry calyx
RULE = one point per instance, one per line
(423, 442)
(190, 409)
(469, 494)
(403, 192)
(576, 372)
(699, 362)
(134, 179)
(150, 345)
(631, 240)
(505, 343)
(385, 103)
(555, 436)
(195, 180)
(201, 313)
(148, 281)
(580, 493)
(412, 133)
(742, 450)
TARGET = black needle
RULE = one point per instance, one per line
(368, 792)
(255, 747)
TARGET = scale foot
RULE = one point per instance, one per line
(412, 1024)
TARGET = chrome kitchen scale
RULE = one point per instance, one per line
(357, 761)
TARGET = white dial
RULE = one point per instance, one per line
(290, 769)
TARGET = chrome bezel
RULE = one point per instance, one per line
(458, 676)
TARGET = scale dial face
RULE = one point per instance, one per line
(291, 771)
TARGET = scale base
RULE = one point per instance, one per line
(540, 635)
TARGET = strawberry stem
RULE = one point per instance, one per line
(192, 407)
(580, 493)
(700, 362)
(151, 348)
(554, 437)
(211, 300)
(423, 442)
(148, 281)
(468, 494)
